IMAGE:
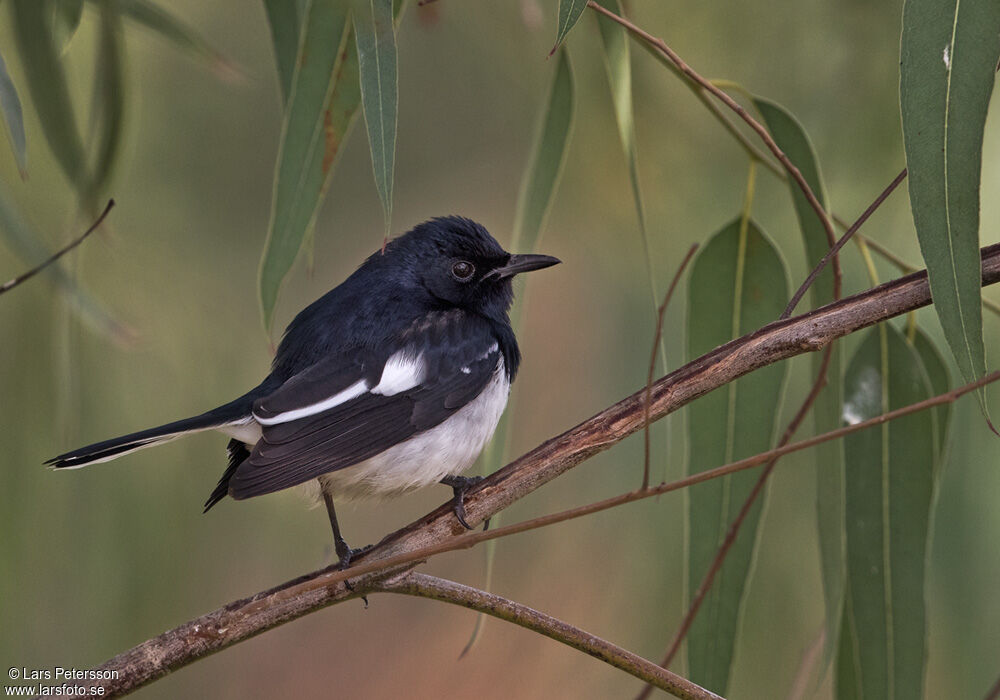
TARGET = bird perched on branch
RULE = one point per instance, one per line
(393, 380)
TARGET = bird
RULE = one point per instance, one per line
(393, 380)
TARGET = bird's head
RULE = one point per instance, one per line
(459, 264)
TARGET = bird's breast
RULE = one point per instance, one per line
(448, 448)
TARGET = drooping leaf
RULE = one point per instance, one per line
(308, 145)
(375, 35)
(324, 104)
(66, 16)
(160, 22)
(569, 14)
(10, 105)
(939, 379)
(547, 159)
(948, 58)
(619, 69)
(793, 140)
(538, 186)
(109, 94)
(284, 18)
(27, 245)
(889, 487)
(49, 92)
(737, 284)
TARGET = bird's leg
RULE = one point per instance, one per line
(343, 551)
(460, 485)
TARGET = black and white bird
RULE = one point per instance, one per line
(393, 380)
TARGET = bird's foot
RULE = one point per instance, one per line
(460, 485)
(347, 554)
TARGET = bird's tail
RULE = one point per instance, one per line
(232, 413)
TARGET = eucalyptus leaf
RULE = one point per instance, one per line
(940, 382)
(49, 91)
(791, 137)
(548, 157)
(10, 105)
(109, 94)
(284, 20)
(948, 58)
(308, 146)
(538, 186)
(375, 35)
(737, 284)
(66, 16)
(889, 488)
(165, 25)
(570, 12)
(325, 100)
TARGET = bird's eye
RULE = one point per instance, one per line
(463, 270)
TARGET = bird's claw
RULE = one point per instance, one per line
(460, 485)
(347, 555)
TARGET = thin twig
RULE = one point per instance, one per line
(436, 532)
(840, 243)
(662, 47)
(652, 359)
(25, 276)
(424, 586)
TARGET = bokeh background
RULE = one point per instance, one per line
(95, 561)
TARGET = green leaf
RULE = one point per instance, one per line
(49, 92)
(890, 483)
(26, 244)
(793, 140)
(284, 18)
(109, 95)
(10, 105)
(939, 379)
(538, 186)
(948, 59)
(309, 143)
(160, 22)
(570, 12)
(376, 39)
(619, 69)
(324, 102)
(737, 284)
(547, 159)
(66, 16)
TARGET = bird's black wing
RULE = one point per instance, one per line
(447, 365)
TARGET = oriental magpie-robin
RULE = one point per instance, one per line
(393, 380)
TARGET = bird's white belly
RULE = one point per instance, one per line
(427, 457)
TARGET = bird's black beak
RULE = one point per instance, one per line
(523, 263)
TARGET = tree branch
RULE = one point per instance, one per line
(437, 531)
(424, 586)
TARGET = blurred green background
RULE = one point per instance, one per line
(95, 561)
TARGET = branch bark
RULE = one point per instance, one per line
(424, 586)
(777, 341)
